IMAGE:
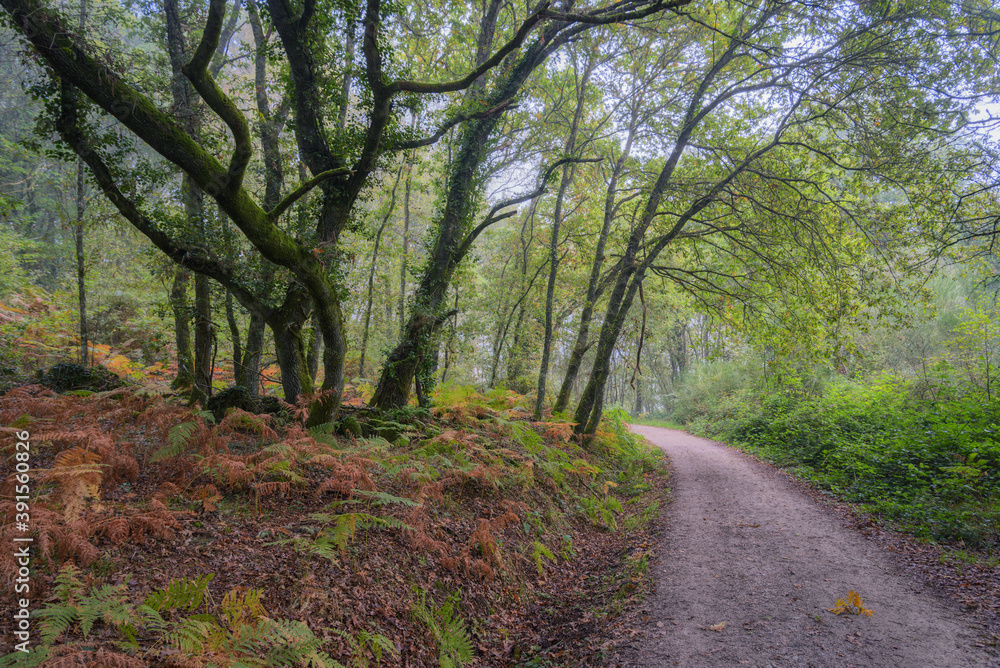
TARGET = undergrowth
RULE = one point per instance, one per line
(472, 494)
(930, 467)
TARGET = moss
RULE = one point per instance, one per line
(349, 426)
(67, 377)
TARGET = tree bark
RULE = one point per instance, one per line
(182, 329)
(234, 334)
(454, 230)
(564, 182)
(582, 344)
(406, 244)
(371, 270)
(81, 267)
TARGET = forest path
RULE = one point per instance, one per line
(743, 546)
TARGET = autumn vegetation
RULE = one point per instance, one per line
(326, 318)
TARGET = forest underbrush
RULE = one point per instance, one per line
(463, 535)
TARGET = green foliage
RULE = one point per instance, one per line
(642, 519)
(331, 541)
(240, 631)
(932, 467)
(181, 595)
(540, 552)
(177, 440)
(602, 511)
(363, 642)
(445, 624)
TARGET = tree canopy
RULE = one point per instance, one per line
(781, 167)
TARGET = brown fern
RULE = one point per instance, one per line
(77, 474)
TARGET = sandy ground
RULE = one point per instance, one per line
(744, 547)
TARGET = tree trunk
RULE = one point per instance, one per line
(234, 334)
(315, 348)
(250, 366)
(81, 268)
(567, 177)
(454, 231)
(204, 334)
(583, 334)
(182, 330)
(371, 271)
(406, 244)
(81, 207)
(286, 323)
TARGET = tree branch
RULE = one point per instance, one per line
(197, 72)
(449, 124)
(493, 217)
(304, 188)
(195, 258)
(461, 84)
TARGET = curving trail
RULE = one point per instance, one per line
(743, 546)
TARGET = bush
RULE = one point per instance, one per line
(930, 467)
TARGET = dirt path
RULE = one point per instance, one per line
(744, 547)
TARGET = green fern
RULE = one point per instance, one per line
(33, 659)
(602, 512)
(183, 594)
(385, 499)
(177, 439)
(295, 644)
(368, 641)
(107, 603)
(527, 437)
(332, 541)
(454, 645)
(240, 632)
(538, 552)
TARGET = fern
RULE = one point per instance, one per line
(385, 499)
(177, 439)
(602, 512)
(335, 539)
(183, 594)
(368, 641)
(527, 437)
(538, 551)
(106, 603)
(454, 645)
(295, 644)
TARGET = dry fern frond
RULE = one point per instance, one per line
(230, 471)
(238, 421)
(483, 538)
(557, 431)
(263, 489)
(346, 478)
(169, 489)
(481, 569)
(208, 495)
(116, 530)
(105, 659)
(77, 474)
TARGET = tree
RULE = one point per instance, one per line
(849, 108)
(312, 58)
(456, 228)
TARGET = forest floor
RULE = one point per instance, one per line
(476, 537)
(750, 565)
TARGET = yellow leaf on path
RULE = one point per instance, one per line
(717, 627)
(853, 605)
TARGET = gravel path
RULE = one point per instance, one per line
(744, 547)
